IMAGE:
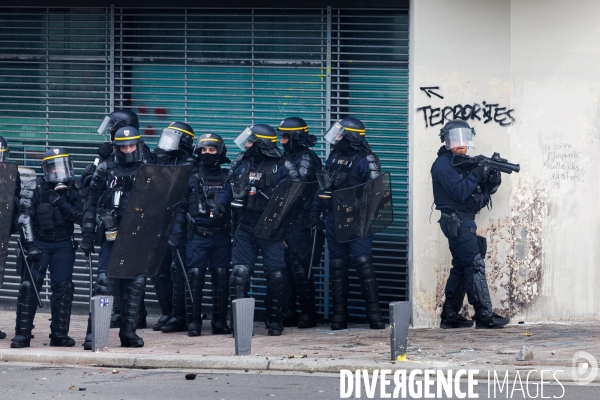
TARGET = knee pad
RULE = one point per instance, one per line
(359, 261)
(276, 277)
(63, 289)
(219, 275)
(241, 273)
(195, 274)
(337, 264)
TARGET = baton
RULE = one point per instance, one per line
(187, 282)
(312, 254)
(88, 260)
(37, 294)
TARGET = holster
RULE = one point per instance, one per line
(453, 221)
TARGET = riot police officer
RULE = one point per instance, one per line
(209, 244)
(254, 175)
(296, 142)
(49, 209)
(112, 189)
(175, 147)
(460, 193)
(108, 127)
(350, 163)
(5, 157)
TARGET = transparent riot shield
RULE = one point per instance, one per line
(362, 210)
(148, 220)
(285, 206)
(8, 184)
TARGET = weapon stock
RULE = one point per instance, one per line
(35, 290)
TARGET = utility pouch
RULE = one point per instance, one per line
(482, 244)
(453, 222)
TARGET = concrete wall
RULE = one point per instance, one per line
(525, 74)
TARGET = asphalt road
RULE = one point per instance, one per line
(29, 381)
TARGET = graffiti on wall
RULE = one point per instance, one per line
(484, 112)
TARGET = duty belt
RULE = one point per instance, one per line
(471, 230)
(247, 227)
(210, 232)
(51, 236)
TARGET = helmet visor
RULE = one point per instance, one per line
(169, 139)
(459, 137)
(58, 168)
(207, 141)
(3, 153)
(335, 134)
(104, 127)
(245, 139)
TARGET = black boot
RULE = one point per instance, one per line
(455, 295)
(163, 286)
(2, 335)
(276, 289)
(197, 278)
(338, 282)
(104, 286)
(115, 314)
(142, 323)
(239, 285)
(26, 307)
(176, 323)
(130, 312)
(306, 296)
(290, 315)
(219, 277)
(61, 315)
(370, 289)
(479, 296)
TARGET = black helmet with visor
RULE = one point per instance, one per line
(128, 145)
(57, 165)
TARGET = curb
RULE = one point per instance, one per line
(111, 360)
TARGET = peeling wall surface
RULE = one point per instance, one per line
(526, 75)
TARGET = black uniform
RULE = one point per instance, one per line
(48, 213)
(351, 163)
(460, 193)
(105, 183)
(299, 244)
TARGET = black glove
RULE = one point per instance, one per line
(174, 241)
(316, 222)
(87, 243)
(482, 172)
(33, 253)
(56, 199)
(89, 170)
(494, 176)
(220, 211)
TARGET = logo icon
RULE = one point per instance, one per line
(56, 151)
(585, 368)
(126, 132)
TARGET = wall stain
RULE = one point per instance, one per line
(514, 257)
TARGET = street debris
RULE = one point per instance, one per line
(525, 354)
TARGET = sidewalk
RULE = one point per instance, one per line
(322, 350)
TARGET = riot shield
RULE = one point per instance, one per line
(8, 183)
(148, 221)
(285, 206)
(362, 210)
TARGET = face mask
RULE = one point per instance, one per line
(288, 146)
(253, 151)
(343, 146)
(210, 160)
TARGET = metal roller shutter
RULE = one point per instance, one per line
(218, 70)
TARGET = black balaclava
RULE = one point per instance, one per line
(344, 146)
(210, 160)
(254, 151)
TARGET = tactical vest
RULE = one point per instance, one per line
(48, 219)
(203, 197)
(474, 203)
(343, 169)
(261, 178)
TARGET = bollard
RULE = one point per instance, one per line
(101, 307)
(400, 312)
(243, 325)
